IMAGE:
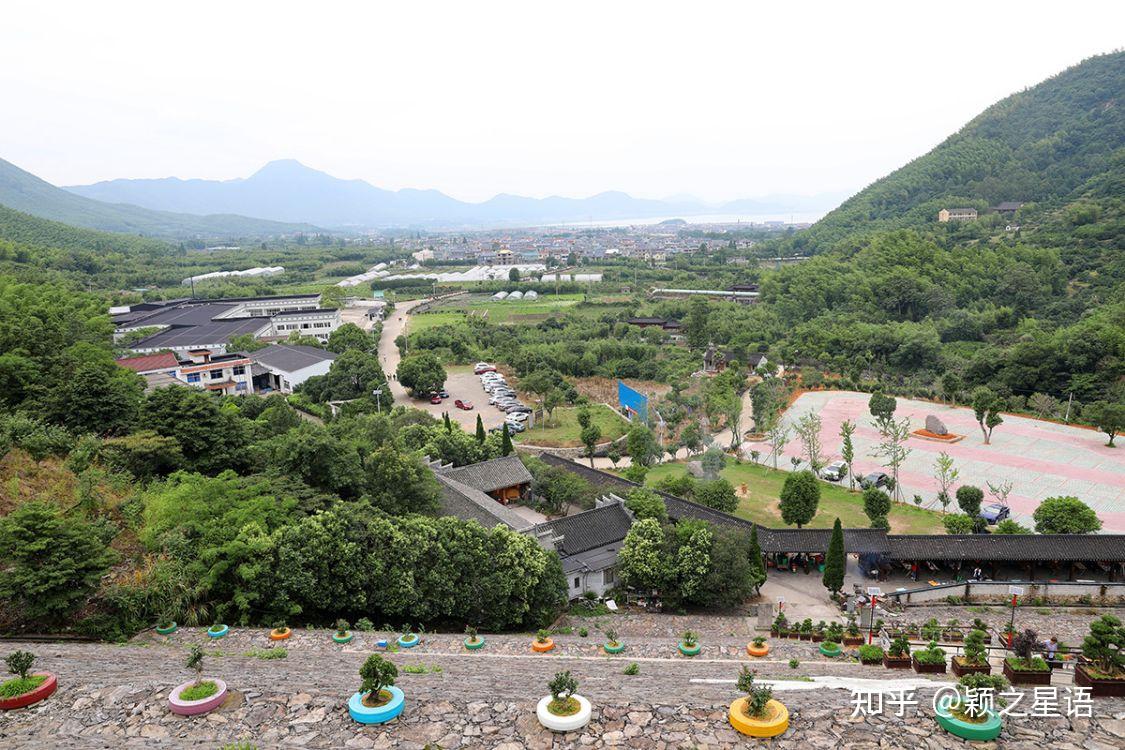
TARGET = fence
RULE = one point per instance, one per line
(1075, 592)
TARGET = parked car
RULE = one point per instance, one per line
(518, 416)
(875, 479)
(513, 406)
(834, 471)
(994, 513)
(435, 398)
(520, 409)
(515, 426)
(444, 393)
(466, 405)
(483, 367)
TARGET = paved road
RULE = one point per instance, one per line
(389, 357)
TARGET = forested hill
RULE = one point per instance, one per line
(1047, 146)
(23, 191)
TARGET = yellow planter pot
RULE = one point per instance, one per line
(775, 722)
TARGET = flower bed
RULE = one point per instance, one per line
(217, 631)
(474, 643)
(408, 640)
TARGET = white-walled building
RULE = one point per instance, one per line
(283, 367)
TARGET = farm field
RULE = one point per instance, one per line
(763, 485)
(563, 432)
(510, 312)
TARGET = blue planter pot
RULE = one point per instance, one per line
(381, 715)
(989, 729)
(218, 633)
(409, 641)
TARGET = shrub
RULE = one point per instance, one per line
(870, 653)
(563, 687)
(930, 655)
(377, 673)
(583, 632)
(471, 632)
(962, 709)
(342, 628)
(793, 663)
(975, 652)
(757, 696)
(364, 625)
(268, 654)
(611, 636)
(853, 627)
(199, 690)
(1105, 645)
(931, 631)
(689, 639)
(632, 669)
(899, 647)
(759, 641)
(194, 661)
(542, 635)
(19, 663)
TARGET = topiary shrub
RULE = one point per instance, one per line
(757, 696)
(376, 674)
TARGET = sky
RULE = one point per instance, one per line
(715, 100)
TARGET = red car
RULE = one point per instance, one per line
(435, 399)
(466, 405)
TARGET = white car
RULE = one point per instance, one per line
(516, 416)
(482, 367)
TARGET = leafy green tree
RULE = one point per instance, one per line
(808, 429)
(1107, 417)
(400, 483)
(876, 504)
(835, 564)
(800, 496)
(882, 407)
(590, 436)
(680, 485)
(957, 523)
(642, 445)
(481, 435)
(645, 503)
(847, 449)
(692, 560)
(986, 409)
(210, 438)
(1105, 646)
(1065, 515)
(143, 454)
(350, 336)
(317, 458)
(1008, 526)
(691, 437)
(696, 324)
(353, 374)
(245, 343)
(377, 673)
(969, 499)
(642, 562)
(716, 493)
(506, 443)
(421, 373)
(757, 562)
(97, 397)
(514, 274)
(51, 563)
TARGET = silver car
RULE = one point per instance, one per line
(834, 471)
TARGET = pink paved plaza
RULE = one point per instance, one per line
(1040, 459)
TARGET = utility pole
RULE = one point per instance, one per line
(1068, 403)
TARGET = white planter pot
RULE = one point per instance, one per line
(563, 723)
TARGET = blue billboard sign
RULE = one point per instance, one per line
(632, 402)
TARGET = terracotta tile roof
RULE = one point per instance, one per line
(150, 362)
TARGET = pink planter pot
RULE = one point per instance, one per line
(194, 708)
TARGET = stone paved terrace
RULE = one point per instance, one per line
(113, 696)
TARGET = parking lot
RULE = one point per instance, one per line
(461, 383)
(1040, 459)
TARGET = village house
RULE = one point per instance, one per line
(957, 214)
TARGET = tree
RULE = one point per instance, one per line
(808, 429)
(957, 523)
(211, 439)
(893, 449)
(354, 374)
(876, 504)
(590, 436)
(376, 673)
(800, 496)
(481, 435)
(1107, 417)
(777, 436)
(946, 476)
(642, 561)
(642, 445)
(969, 499)
(835, 564)
(691, 437)
(692, 560)
(506, 442)
(713, 462)
(445, 421)
(318, 458)
(986, 408)
(143, 454)
(97, 397)
(350, 336)
(1105, 645)
(882, 408)
(50, 563)
(1065, 515)
(421, 373)
(1042, 405)
(400, 483)
(1008, 526)
(847, 450)
(553, 400)
(332, 298)
(757, 562)
(514, 274)
(645, 503)
(951, 386)
(716, 493)
(695, 324)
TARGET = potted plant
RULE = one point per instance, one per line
(166, 625)
(979, 624)
(758, 647)
(757, 714)
(870, 653)
(975, 660)
(612, 645)
(830, 648)
(806, 629)
(931, 631)
(1104, 651)
(26, 687)
(542, 643)
(818, 632)
(280, 632)
(852, 635)
(898, 654)
(197, 696)
(473, 641)
(929, 660)
(965, 716)
(780, 625)
(689, 644)
(378, 700)
(834, 632)
(408, 639)
(1023, 668)
(218, 630)
(563, 710)
(343, 633)
(952, 631)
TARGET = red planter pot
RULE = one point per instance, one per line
(1026, 677)
(921, 668)
(850, 640)
(892, 662)
(1099, 688)
(49, 686)
(961, 670)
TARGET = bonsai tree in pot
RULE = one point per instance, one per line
(342, 634)
(543, 642)
(952, 631)
(929, 660)
(409, 639)
(563, 710)
(818, 632)
(968, 714)
(931, 631)
(1023, 667)
(852, 634)
(757, 714)
(218, 630)
(197, 696)
(166, 625)
(612, 645)
(280, 632)
(26, 687)
(898, 654)
(780, 625)
(472, 640)
(1104, 651)
(870, 653)
(689, 643)
(378, 700)
(806, 629)
(832, 636)
(975, 659)
(979, 624)
(758, 647)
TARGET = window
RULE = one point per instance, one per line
(193, 377)
(215, 374)
(239, 370)
(240, 386)
(608, 576)
(577, 582)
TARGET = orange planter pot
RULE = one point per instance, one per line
(756, 651)
(542, 647)
(280, 634)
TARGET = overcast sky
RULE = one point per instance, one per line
(536, 98)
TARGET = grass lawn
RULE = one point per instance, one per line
(763, 485)
(432, 320)
(563, 431)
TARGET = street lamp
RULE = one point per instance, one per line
(378, 402)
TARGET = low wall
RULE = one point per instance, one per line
(1072, 592)
(574, 454)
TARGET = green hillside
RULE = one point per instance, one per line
(23, 191)
(1046, 146)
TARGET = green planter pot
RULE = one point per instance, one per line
(692, 650)
(168, 630)
(989, 729)
(474, 645)
(828, 651)
(610, 649)
(343, 638)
